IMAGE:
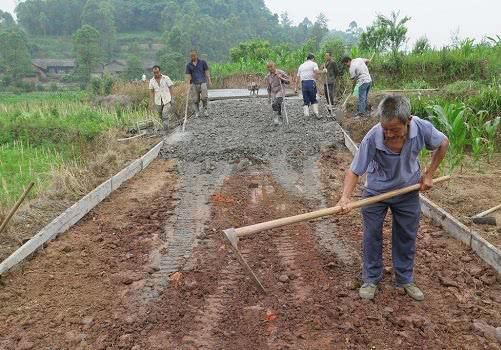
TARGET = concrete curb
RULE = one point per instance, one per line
(78, 210)
(485, 250)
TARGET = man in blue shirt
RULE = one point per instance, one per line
(389, 155)
(197, 73)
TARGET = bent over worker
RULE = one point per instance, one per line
(197, 73)
(359, 73)
(389, 155)
(161, 95)
(275, 80)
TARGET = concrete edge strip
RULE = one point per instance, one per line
(485, 250)
(77, 211)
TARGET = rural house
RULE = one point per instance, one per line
(52, 67)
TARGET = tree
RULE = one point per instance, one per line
(254, 50)
(15, 60)
(319, 30)
(285, 21)
(385, 33)
(395, 29)
(421, 45)
(134, 68)
(99, 15)
(6, 20)
(86, 43)
(44, 23)
(172, 63)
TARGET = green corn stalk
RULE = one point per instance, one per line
(451, 119)
(490, 128)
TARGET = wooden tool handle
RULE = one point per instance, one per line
(247, 230)
(484, 213)
(16, 206)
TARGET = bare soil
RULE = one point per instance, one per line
(109, 282)
(104, 159)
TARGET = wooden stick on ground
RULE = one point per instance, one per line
(16, 206)
(484, 213)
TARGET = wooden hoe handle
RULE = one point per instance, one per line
(247, 230)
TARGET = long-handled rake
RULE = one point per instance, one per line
(232, 235)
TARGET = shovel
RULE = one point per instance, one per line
(232, 235)
(340, 112)
(186, 107)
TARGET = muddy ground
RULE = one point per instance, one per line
(148, 268)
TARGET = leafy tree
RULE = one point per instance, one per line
(86, 43)
(6, 20)
(319, 30)
(134, 68)
(395, 30)
(15, 60)
(44, 23)
(99, 15)
(258, 50)
(374, 38)
(385, 33)
(172, 64)
(421, 45)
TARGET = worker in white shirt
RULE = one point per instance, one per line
(161, 96)
(308, 74)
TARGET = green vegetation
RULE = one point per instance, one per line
(41, 131)
(87, 50)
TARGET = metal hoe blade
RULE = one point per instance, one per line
(231, 238)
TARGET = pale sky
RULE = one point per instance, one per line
(437, 19)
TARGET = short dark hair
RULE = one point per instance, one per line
(156, 66)
(329, 53)
(346, 59)
(310, 56)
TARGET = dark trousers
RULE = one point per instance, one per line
(309, 88)
(329, 93)
(363, 95)
(276, 104)
(406, 212)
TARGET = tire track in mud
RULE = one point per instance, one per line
(304, 180)
(188, 222)
(201, 333)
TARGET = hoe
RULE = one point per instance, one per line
(232, 235)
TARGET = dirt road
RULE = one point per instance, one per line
(148, 269)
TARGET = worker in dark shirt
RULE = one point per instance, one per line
(331, 71)
(197, 73)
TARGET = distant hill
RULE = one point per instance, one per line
(176, 26)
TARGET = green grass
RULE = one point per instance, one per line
(22, 163)
(41, 131)
(33, 97)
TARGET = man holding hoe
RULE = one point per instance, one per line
(275, 81)
(161, 96)
(389, 155)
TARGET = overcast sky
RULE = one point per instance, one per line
(437, 19)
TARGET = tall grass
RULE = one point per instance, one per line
(38, 135)
(432, 68)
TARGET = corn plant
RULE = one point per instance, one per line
(490, 128)
(451, 119)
